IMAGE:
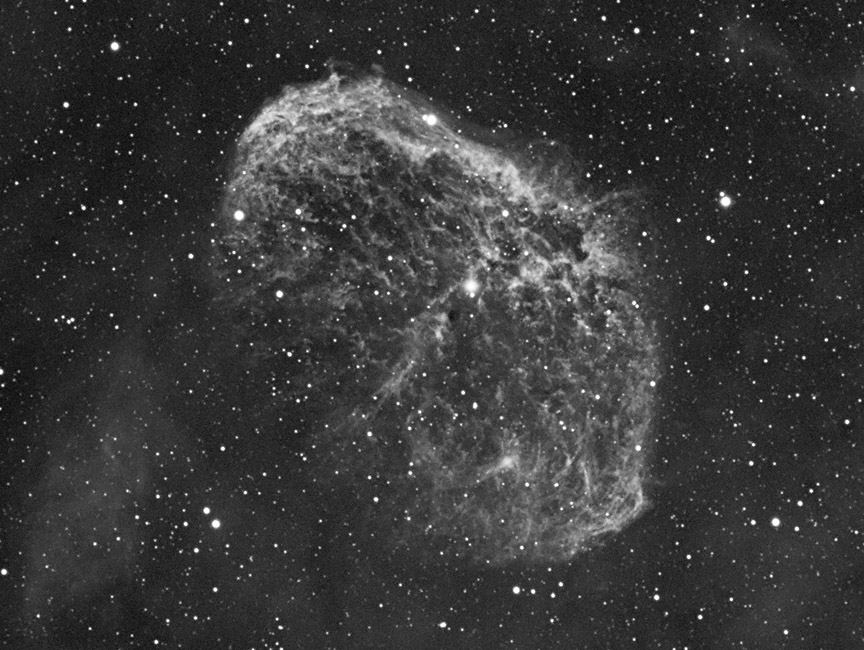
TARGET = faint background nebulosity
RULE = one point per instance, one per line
(155, 493)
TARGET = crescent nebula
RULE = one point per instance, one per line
(458, 335)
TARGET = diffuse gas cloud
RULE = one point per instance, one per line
(459, 339)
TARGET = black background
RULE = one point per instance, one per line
(114, 419)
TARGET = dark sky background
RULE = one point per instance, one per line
(118, 121)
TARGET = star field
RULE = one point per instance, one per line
(146, 500)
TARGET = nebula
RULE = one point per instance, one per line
(459, 337)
